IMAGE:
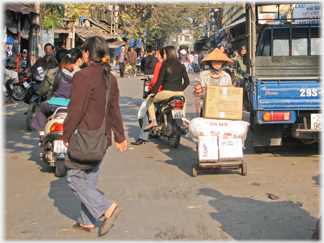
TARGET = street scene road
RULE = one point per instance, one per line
(154, 185)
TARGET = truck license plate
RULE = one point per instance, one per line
(316, 121)
(59, 147)
(177, 114)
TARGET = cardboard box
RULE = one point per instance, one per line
(223, 103)
(230, 149)
(208, 149)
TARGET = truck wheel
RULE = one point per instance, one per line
(252, 116)
(60, 169)
(174, 139)
(194, 170)
(260, 149)
(244, 169)
(31, 113)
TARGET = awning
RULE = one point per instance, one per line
(19, 8)
(84, 32)
(241, 20)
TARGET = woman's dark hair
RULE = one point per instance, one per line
(70, 58)
(161, 51)
(98, 49)
(171, 62)
(60, 54)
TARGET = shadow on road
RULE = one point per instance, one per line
(249, 219)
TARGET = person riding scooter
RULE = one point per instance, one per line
(69, 65)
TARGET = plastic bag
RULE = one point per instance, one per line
(142, 110)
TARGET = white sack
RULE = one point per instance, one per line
(223, 129)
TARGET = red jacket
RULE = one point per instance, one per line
(156, 76)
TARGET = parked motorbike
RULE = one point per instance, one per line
(138, 66)
(33, 99)
(17, 88)
(169, 115)
(54, 151)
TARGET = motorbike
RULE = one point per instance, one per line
(169, 115)
(17, 88)
(33, 99)
(54, 151)
(138, 66)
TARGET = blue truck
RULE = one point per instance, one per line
(283, 78)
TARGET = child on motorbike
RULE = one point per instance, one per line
(144, 135)
(69, 65)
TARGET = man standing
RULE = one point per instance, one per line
(240, 65)
(46, 62)
(122, 61)
(203, 54)
(195, 62)
(132, 58)
(148, 62)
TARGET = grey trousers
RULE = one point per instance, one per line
(84, 186)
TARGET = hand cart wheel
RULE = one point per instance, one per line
(243, 169)
(194, 170)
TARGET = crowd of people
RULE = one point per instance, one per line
(78, 78)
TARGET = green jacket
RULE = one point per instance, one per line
(239, 64)
(46, 87)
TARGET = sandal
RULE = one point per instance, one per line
(109, 221)
(78, 226)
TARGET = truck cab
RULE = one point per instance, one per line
(283, 81)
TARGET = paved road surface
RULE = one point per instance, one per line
(153, 183)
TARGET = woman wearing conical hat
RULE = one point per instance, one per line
(215, 75)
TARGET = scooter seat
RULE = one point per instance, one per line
(176, 97)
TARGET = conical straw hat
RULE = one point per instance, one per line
(216, 55)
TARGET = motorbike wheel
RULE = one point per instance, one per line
(19, 93)
(7, 95)
(60, 168)
(140, 122)
(31, 113)
(174, 139)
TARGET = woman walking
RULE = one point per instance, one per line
(86, 109)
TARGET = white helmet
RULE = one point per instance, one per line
(40, 75)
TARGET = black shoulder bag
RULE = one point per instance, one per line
(89, 146)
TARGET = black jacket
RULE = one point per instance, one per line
(148, 64)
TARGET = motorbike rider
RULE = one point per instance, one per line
(216, 60)
(62, 85)
(171, 75)
(46, 62)
(46, 87)
(144, 135)
(148, 63)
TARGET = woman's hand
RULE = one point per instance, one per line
(150, 95)
(198, 88)
(66, 144)
(122, 146)
(230, 85)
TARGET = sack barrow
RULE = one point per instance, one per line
(219, 165)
